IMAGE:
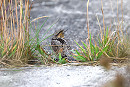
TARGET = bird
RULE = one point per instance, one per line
(59, 44)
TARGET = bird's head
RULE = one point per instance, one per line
(59, 33)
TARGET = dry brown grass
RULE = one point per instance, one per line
(14, 31)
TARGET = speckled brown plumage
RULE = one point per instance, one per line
(59, 44)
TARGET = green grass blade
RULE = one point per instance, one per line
(49, 29)
(60, 57)
(100, 43)
(73, 51)
(91, 48)
(102, 51)
(61, 60)
(12, 53)
(106, 37)
(77, 52)
(81, 58)
(45, 38)
(96, 49)
(90, 43)
(107, 33)
(43, 35)
(85, 45)
(36, 35)
(40, 50)
(80, 47)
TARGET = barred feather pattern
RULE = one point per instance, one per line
(60, 44)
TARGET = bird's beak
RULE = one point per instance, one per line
(65, 30)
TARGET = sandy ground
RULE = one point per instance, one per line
(58, 76)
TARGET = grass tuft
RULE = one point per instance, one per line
(17, 47)
(108, 43)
